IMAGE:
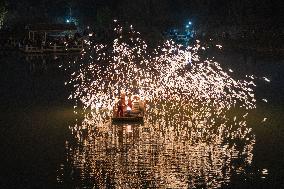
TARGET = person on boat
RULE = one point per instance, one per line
(120, 107)
(129, 101)
(122, 97)
(136, 106)
(129, 105)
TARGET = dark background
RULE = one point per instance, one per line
(151, 14)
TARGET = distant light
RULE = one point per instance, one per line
(90, 34)
(68, 21)
(187, 26)
(189, 22)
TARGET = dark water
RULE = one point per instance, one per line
(39, 151)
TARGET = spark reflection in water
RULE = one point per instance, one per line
(195, 131)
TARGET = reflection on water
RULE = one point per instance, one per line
(40, 63)
(191, 149)
(179, 155)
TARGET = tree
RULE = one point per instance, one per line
(3, 13)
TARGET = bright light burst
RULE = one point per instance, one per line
(170, 73)
(191, 109)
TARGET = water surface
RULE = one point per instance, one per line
(39, 149)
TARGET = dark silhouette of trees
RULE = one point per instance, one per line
(154, 16)
(3, 12)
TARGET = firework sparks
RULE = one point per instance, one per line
(164, 75)
(190, 101)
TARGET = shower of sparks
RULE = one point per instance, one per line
(169, 78)
(191, 106)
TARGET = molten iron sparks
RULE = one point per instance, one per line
(190, 109)
(169, 78)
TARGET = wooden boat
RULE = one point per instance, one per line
(126, 119)
(134, 115)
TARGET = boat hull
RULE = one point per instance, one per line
(137, 119)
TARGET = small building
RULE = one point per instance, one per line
(45, 37)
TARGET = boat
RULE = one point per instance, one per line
(130, 115)
(136, 119)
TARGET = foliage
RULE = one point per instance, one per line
(3, 12)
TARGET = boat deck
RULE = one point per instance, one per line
(134, 115)
(125, 119)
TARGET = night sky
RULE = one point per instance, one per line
(148, 13)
